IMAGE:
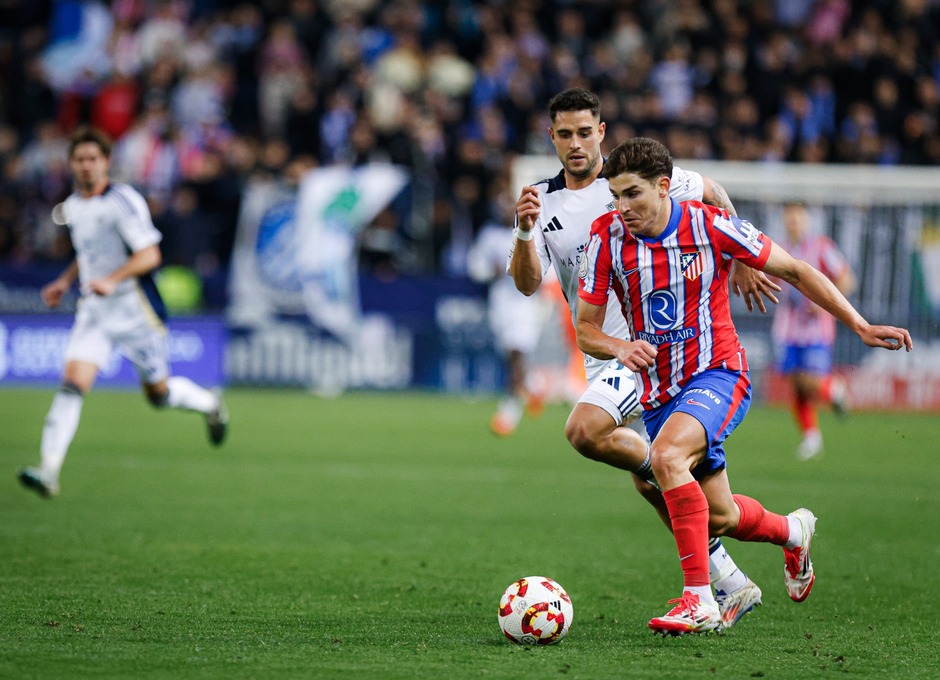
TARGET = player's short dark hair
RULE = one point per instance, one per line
(574, 99)
(90, 135)
(640, 156)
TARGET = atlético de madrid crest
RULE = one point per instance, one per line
(691, 265)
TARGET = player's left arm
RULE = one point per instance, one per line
(745, 281)
(817, 287)
(140, 262)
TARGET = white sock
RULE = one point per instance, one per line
(725, 575)
(183, 393)
(58, 431)
(704, 593)
(796, 532)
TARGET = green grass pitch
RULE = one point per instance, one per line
(372, 535)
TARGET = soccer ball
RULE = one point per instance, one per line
(535, 611)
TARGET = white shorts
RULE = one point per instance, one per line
(126, 322)
(614, 390)
(516, 320)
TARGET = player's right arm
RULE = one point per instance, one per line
(635, 355)
(140, 262)
(593, 289)
(525, 267)
(52, 292)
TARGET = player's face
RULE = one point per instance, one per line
(89, 166)
(577, 136)
(642, 204)
(796, 221)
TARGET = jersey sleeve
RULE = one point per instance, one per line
(740, 239)
(596, 268)
(686, 185)
(135, 224)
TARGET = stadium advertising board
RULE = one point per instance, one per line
(414, 332)
(32, 350)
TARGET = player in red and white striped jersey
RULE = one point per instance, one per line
(804, 334)
(669, 263)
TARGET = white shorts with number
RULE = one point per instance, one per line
(127, 322)
(614, 390)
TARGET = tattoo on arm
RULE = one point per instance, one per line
(720, 199)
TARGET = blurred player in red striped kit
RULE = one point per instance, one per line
(805, 334)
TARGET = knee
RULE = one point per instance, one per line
(157, 397)
(69, 387)
(582, 438)
(667, 461)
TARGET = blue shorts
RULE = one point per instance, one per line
(719, 400)
(806, 359)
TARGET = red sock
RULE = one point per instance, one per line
(825, 390)
(688, 511)
(759, 525)
(805, 413)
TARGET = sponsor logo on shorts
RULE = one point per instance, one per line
(706, 393)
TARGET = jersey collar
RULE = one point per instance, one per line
(556, 183)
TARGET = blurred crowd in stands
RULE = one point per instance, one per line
(203, 95)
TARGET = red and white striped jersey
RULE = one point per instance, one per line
(797, 320)
(674, 289)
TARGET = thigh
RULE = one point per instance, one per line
(683, 438)
(718, 400)
(614, 391)
(88, 342)
(591, 418)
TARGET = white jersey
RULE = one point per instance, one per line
(562, 231)
(106, 229)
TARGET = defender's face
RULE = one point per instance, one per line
(89, 166)
(577, 137)
(641, 203)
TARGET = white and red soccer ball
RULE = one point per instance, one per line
(535, 610)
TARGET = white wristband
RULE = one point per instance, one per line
(522, 235)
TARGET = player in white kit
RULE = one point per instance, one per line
(116, 249)
(553, 224)
(515, 320)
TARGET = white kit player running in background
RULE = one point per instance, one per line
(116, 249)
(515, 320)
(553, 225)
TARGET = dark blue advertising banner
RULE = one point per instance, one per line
(32, 351)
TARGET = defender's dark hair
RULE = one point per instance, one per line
(574, 99)
(640, 156)
(90, 135)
